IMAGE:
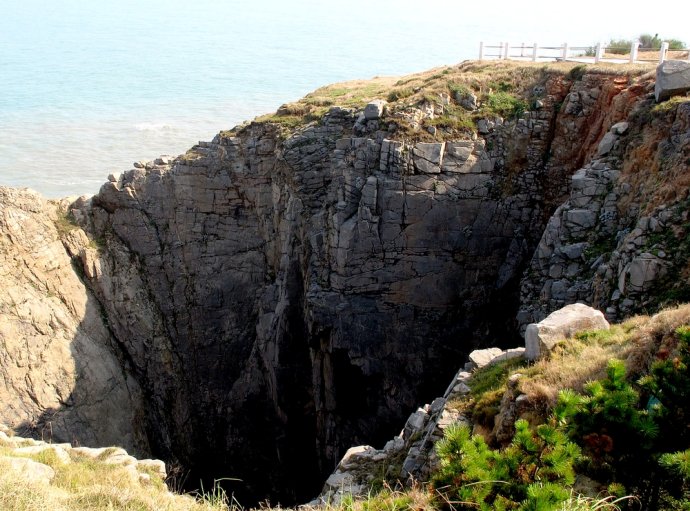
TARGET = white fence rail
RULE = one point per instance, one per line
(596, 54)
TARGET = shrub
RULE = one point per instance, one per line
(632, 435)
(505, 104)
(532, 473)
(399, 93)
(619, 46)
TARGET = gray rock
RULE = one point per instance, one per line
(427, 157)
(461, 388)
(484, 126)
(437, 405)
(606, 144)
(467, 100)
(395, 445)
(620, 128)
(583, 218)
(374, 110)
(643, 270)
(672, 78)
(415, 423)
(481, 358)
(543, 336)
(574, 251)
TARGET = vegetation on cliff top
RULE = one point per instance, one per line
(84, 483)
(498, 88)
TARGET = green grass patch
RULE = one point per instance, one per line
(505, 104)
(65, 224)
(493, 376)
(399, 93)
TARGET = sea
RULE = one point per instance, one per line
(88, 87)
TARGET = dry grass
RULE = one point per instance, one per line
(654, 166)
(583, 358)
(87, 484)
(437, 87)
(582, 503)
(417, 498)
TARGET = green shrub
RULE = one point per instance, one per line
(533, 473)
(619, 46)
(631, 434)
(399, 93)
(505, 104)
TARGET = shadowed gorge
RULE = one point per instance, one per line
(282, 293)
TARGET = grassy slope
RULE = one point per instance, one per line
(90, 484)
(502, 88)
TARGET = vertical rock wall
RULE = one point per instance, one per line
(62, 376)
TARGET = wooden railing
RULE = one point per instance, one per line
(595, 54)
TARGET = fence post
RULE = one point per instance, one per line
(634, 47)
(481, 51)
(662, 52)
(506, 51)
(599, 53)
(534, 53)
(565, 51)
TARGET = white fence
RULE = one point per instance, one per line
(596, 54)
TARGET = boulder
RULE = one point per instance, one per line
(28, 470)
(374, 110)
(481, 358)
(606, 144)
(543, 336)
(620, 128)
(672, 78)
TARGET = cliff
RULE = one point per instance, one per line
(299, 284)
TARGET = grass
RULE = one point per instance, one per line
(417, 498)
(87, 484)
(65, 223)
(584, 357)
(578, 502)
(502, 89)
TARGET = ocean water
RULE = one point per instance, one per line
(86, 88)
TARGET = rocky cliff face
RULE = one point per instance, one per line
(620, 241)
(279, 295)
(61, 376)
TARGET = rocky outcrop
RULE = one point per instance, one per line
(283, 278)
(619, 243)
(411, 457)
(541, 337)
(62, 377)
(672, 78)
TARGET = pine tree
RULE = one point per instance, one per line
(532, 473)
